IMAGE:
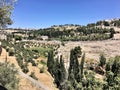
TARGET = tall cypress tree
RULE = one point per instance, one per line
(57, 72)
(63, 74)
(102, 60)
(62, 68)
(116, 66)
(74, 64)
(82, 63)
(71, 61)
(50, 62)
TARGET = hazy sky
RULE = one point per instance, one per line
(44, 13)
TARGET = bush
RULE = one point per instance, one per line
(7, 49)
(33, 63)
(35, 56)
(42, 69)
(36, 51)
(43, 62)
(33, 76)
(25, 70)
(18, 38)
(11, 53)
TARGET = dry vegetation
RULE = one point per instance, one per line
(26, 84)
(93, 49)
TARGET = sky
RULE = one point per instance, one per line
(45, 13)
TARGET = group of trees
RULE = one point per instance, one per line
(115, 22)
(79, 78)
(57, 69)
(112, 73)
(82, 33)
(99, 23)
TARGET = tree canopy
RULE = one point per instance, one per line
(8, 76)
(6, 7)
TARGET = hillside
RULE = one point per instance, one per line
(26, 82)
(29, 51)
(101, 30)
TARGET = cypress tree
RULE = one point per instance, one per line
(50, 62)
(63, 70)
(108, 66)
(102, 60)
(116, 66)
(57, 73)
(63, 74)
(74, 64)
(71, 61)
(110, 78)
(82, 63)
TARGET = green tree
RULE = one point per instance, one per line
(105, 23)
(74, 64)
(33, 75)
(8, 77)
(112, 32)
(108, 66)
(63, 70)
(82, 63)
(110, 78)
(6, 7)
(116, 66)
(50, 62)
(102, 60)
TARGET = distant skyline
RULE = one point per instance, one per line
(45, 13)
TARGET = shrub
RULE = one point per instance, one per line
(33, 63)
(11, 53)
(18, 38)
(42, 69)
(43, 62)
(8, 76)
(25, 70)
(7, 49)
(35, 56)
(33, 76)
